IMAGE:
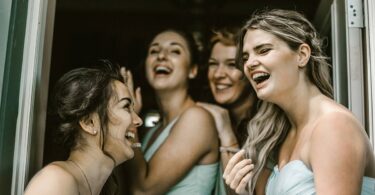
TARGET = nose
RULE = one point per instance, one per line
(219, 71)
(251, 64)
(161, 55)
(137, 121)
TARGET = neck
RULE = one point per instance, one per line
(303, 108)
(95, 167)
(173, 103)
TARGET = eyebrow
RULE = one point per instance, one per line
(173, 43)
(262, 45)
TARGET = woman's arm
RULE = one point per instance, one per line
(228, 141)
(338, 154)
(192, 138)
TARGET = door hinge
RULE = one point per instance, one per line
(355, 14)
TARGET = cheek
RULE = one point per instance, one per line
(210, 74)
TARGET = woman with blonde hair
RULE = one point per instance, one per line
(319, 145)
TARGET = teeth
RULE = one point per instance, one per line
(222, 87)
(162, 69)
(130, 135)
(260, 74)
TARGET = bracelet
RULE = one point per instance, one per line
(229, 149)
(235, 144)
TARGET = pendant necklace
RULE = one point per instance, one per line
(83, 174)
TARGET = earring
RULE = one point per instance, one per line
(191, 76)
(94, 132)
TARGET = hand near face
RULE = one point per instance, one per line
(238, 172)
(136, 94)
(222, 119)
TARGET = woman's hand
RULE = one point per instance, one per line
(222, 122)
(137, 96)
(238, 172)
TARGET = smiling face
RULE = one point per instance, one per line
(270, 65)
(122, 121)
(226, 81)
(168, 62)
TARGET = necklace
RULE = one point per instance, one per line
(83, 174)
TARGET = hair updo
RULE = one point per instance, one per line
(81, 92)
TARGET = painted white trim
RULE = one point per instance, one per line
(370, 56)
(31, 65)
(354, 44)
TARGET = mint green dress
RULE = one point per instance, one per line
(295, 178)
(200, 180)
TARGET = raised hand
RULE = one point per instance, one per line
(136, 94)
(238, 172)
(222, 121)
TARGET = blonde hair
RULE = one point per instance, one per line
(269, 126)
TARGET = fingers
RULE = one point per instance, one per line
(241, 188)
(242, 178)
(138, 100)
(238, 172)
(232, 162)
(123, 74)
(137, 96)
(130, 81)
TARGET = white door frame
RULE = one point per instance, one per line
(29, 139)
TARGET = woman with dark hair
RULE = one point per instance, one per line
(180, 154)
(96, 115)
(319, 145)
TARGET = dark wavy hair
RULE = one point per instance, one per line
(80, 92)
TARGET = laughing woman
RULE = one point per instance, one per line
(320, 146)
(95, 109)
(180, 154)
(233, 94)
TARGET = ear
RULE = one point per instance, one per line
(193, 71)
(304, 53)
(90, 124)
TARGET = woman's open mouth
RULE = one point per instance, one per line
(129, 135)
(260, 77)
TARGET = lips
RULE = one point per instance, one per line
(162, 70)
(259, 77)
(130, 135)
(222, 86)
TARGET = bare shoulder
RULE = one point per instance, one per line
(52, 179)
(338, 122)
(197, 112)
(338, 135)
(198, 122)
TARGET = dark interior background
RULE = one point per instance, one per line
(86, 30)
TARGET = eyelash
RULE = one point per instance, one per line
(264, 51)
(126, 107)
(154, 51)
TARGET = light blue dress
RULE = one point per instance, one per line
(295, 178)
(200, 180)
